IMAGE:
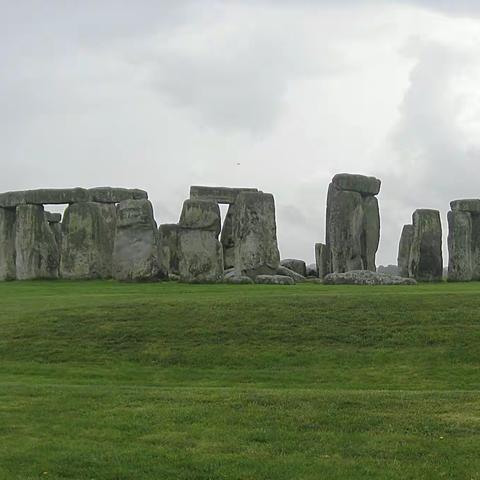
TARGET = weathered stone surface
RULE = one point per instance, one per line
(459, 246)
(217, 194)
(357, 183)
(371, 232)
(366, 277)
(88, 232)
(232, 277)
(322, 259)
(312, 270)
(344, 226)
(296, 277)
(404, 248)
(168, 239)
(53, 217)
(201, 215)
(37, 253)
(475, 246)
(136, 251)
(46, 196)
(255, 234)
(115, 194)
(466, 205)
(227, 238)
(296, 265)
(425, 262)
(388, 269)
(274, 280)
(7, 244)
(200, 256)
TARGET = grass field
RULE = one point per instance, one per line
(101, 380)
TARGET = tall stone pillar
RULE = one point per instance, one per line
(7, 244)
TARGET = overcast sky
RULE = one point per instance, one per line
(274, 94)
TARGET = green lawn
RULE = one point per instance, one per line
(101, 380)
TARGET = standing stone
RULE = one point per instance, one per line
(88, 231)
(227, 238)
(371, 232)
(200, 256)
(7, 244)
(345, 227)
(168, 239)
(322, 259)
(353, 223)
(404, 248)
(459, 246)
(475, 242)
(199, 251)
(53, 220)
(136, 251)
(425, 262)
(37, 253)
(255, 234)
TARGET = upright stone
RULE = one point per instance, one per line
(136, 250)
(475, 241)
(168, 239)
(199, 250)
(88, 231)
(460, 246)
(322, 259)
(404, 248)
(371, 232)
(227, 238)
(255, 234)
(53, 220)
(296, 265)
(345, 227)
(7, 244)
(425, 262)
(37, 253)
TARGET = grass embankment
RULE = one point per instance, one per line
(101, 380)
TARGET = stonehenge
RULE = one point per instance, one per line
(111, 233)
(420, 249)
(352, 230)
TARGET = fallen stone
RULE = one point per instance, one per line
(296, 277)
(201, 215)
(297, 266)
(200, 256)
(366, 277)
(312, 270)
(88, 232)
(322, 259)
(471, 205)
(357, 183)
(173, 277)
(425, 262)
(404, 248)
(459, 246)
(168, 240)
(135, 251)
(37, 252)
(255, 234)
(274, 280)
(232, 277)
(217, 194)
(7, 244)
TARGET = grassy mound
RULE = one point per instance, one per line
(101, 380)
